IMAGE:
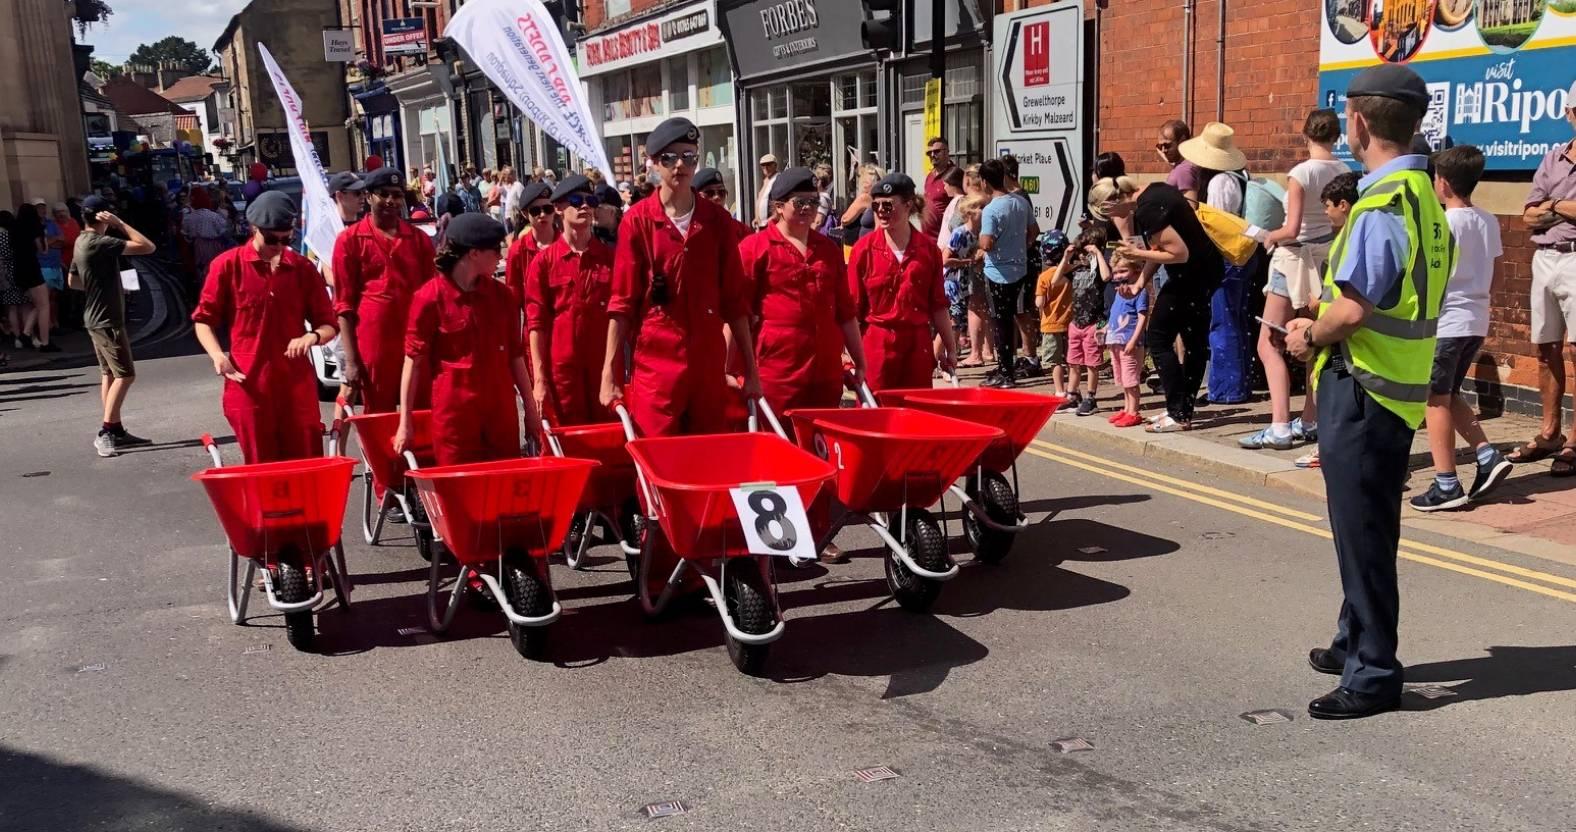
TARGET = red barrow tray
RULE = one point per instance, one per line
(482, 510)
(375, 434)
(1020, 415)
(891, 457)
(692, 475)
(613, 480)
(269, 507)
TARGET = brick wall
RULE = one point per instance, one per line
(594, 12)
(1271, 81)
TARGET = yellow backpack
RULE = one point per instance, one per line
(1228, 232)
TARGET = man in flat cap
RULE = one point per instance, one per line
(95, 269)
(566, 291)
(1373, 347)
(262, 292)
(379, 263)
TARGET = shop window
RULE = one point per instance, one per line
(856, 131)
(718, 150)
(645, 92)
(678, 83)
(615, 95)
(714, 87)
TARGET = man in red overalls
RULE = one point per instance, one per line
(463, 339)
(566, 291)
(541, 231)
(379, 263)
(676, 281)
(263, 293)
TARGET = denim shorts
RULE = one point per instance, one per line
(1277, 285)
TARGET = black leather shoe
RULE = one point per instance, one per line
(1349, 704)
(1323, 660)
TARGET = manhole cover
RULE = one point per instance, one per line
(1070, 744)
(1267, 717)
(871, 775)
(666, 809)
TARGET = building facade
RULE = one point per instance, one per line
(43, 152)
(293, 32)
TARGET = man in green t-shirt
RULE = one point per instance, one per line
(95, 268)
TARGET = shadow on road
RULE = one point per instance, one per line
(1505, 671)
(43, 794)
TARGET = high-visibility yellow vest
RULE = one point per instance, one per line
(1392, 354)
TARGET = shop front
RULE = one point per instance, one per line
(963, 91)
(644, 71)
(426, 113)
(379, 123)
(811, 93)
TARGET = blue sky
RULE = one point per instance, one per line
(136, 22)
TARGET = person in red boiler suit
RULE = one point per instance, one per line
(537, 236)
(566, 291)
(378, 265)
(894, 275)
(264, 293)
(676, 282)
(463, 338)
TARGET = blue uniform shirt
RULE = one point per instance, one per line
(1377, 242)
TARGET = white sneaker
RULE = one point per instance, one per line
(105, 444)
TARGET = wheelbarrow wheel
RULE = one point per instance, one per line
(634, 530)
(528, 595)
(928, 548)
(293, 589)
(425, 542)
(575, 543)
(995, 495)
(750, 607)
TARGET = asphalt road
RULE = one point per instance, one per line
(1141, 615)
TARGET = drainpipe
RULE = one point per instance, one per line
(1220, 61)
(1187, 60)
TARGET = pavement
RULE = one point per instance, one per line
(1147, 608)
(1531, 513)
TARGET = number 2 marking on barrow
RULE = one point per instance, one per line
(773, 520)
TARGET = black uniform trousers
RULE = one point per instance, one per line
(1364, 451)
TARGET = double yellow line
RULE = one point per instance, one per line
(1412, 550)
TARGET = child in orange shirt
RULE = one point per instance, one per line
(1055, 302)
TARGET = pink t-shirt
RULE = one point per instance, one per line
(1183, 177)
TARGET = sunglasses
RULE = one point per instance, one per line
(883, 206)
(715, 193)
(539, 210)
(390, 193)
(277, 238)
(668, 160)
(803, 203)
(1164, 145)
(583, 200)
(934, 153)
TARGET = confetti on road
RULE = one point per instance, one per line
(1272, 716)
(257, 648)
(871, 775)
(667, 809)
(91, 668)
(1433, 691)
(1070, 744)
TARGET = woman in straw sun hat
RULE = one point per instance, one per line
(1224, 183)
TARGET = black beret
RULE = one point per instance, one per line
(671, 131)
(1391, 81)
(271, 211)
(534, 191)
(894, 184)
(792, 181)
(570, 184)
(609, 195)
(475, 230)
(343, 181)
(705, 178)
(384, 177)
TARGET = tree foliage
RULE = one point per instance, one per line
(105, 69)
(174, 50)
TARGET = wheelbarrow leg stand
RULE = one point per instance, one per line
(236, 604)
(334, 562)
(433, 579)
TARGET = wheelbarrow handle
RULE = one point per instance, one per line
(212, 448)
(336, 433)
(552, 441)
(759, 406)
(617, 406)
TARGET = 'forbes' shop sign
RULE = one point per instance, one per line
(1497, 72)
(768, 36)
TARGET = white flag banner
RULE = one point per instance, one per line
(518, 47)
(320, 221)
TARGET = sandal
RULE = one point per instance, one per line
(1541, 447)
(1564, 462)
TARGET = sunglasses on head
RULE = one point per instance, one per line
(277, 238)
(539, 210)
(715, 193)
(583, 200)
(884, 206)
(668, 160)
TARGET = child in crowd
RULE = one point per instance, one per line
(1338, 196)
(1463, 324)
(1083, 266)
(960, 272)
(1054, 299)
(1124, 335)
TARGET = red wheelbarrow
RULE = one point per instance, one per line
(609, 498)
(991, 518)
(894, 461)
(686, 486)
(384, 486)
(500, 520)
(284, 517)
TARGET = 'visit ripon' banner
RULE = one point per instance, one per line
(1498, 70)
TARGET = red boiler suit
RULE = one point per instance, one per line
(466, 342)
(800, 304)
(897, 302)
(676, 386)
(274, 412)
(375, 277)
(521, 252)
(566, 296)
